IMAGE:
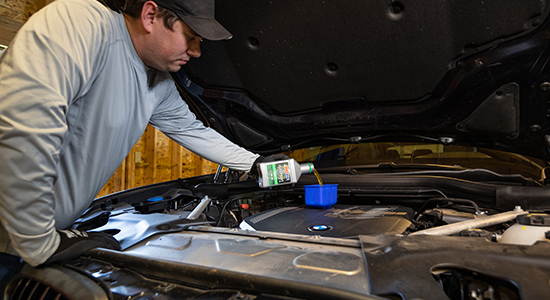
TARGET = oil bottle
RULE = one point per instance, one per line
(282, 172)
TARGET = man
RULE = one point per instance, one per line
(78, 85)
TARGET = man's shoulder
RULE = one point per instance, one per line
(94, 3)
(86, 18)
(81, 10)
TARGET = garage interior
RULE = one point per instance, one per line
(154, 158)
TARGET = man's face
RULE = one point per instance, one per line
(171, 49)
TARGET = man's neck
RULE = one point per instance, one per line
(136, 35)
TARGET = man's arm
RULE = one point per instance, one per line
(174, 119)
(40, 74)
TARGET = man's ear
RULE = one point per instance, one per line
(148, 13)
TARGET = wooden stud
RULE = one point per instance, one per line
(198, 162)
(130, 169)
(150, 154)
(119, 178)
(164, 158)
(176, 160)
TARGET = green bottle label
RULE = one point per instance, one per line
(278, 173)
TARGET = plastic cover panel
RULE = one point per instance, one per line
(339, 267)
(339, 221)
(296, 55)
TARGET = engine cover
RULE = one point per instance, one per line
(339, 221)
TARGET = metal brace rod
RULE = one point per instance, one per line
(199, 209)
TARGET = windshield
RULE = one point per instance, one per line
(421, 153)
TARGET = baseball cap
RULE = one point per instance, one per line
(199, 15)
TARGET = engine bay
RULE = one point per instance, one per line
(386, 235)
(389, 209)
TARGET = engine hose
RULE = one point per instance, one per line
(457, 200)
(223, 209)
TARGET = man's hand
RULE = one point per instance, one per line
(262, 159)
(74, 243)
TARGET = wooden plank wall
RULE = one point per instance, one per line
(154, 158)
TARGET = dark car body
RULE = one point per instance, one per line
(431, 116)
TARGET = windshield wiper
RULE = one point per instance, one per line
(387, 167)
(390, 169)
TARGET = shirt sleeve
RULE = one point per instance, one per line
(173, 117)
(42, 71)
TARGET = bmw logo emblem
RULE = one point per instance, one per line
(319, 228)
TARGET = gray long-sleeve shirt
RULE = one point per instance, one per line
(74, 99)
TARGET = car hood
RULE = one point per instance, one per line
(305, 73)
